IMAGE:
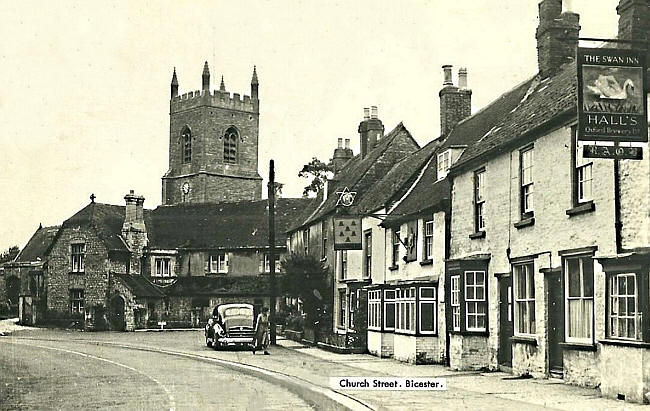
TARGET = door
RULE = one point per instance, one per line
(555, 311)
(117, 313)
(506, 324)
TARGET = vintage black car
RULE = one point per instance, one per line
(232, 326)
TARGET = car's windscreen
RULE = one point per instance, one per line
(238, 311)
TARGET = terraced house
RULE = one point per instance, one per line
(548, 265)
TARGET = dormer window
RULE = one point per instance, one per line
(444, 163)
(186, 138)
(230, 140)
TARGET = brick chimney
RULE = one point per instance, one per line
(455, 102)
(557, 36)
(341, 155)
(634, 20)
(134, 231)
(371, 129)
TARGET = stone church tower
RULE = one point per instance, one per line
(213, 139)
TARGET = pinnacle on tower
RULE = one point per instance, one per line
(206, 77)
(254, 84)
(174, 84)
(222, 87)
(254, 80)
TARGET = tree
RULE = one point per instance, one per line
(9, 254)
(319, 172)
(306, 277)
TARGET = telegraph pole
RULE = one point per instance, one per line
(273, 291)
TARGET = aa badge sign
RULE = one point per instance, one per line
(611, 95)
(347, 233)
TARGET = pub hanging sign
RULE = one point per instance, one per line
(612, 104)
(347, 233)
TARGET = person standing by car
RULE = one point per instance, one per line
(261, 340)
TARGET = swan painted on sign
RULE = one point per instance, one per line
(607, 87)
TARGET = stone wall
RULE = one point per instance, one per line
(624, 372)
(469, 352)
(381, 344)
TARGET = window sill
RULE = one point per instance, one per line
(478, 234)
(471, 333)
(393, 267)
(77, 272)
(524, 339)
(578, 346)
(581, 209)
(625, 343)
(526, 222)
(426, 262)
(220, 273)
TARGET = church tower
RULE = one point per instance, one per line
(213, 145)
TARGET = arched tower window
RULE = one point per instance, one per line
(187, 145)
(230, 140)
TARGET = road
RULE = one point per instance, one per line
(66, 375)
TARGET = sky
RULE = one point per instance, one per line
(85, 101)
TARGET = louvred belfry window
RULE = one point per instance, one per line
(187, 145)
(230, 140)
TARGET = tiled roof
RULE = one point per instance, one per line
(541, 102)
(140, 286)
(360, 174)
(107, 219)
(37, 247)
(223, 225)
(209, 286)
(396, 181)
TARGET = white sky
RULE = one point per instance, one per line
(86, 84)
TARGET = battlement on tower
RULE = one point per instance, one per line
(221, 99)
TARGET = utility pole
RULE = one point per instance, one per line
(273, 291)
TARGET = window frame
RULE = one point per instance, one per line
(526, 184)
(479, 200)
(422, 300)
(526, 300)
(578, 164)
(343, 264)
(78, 257)
(265, 264)
(395, 247)
(221, 261)
(427, 246)
(162, 260)
(323, 239)
(405, 310)
(231, 145)
(305, 240)
(582, 297)
(443, 164)
(186, 140)
(477, 302)
(389, 301)
(638, 308)
(77, 300)
(455, 302)
(367, 254)
(352, 306)
(374, 310)
(342, 308)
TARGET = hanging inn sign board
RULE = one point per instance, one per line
(347, 233)
(612, 104)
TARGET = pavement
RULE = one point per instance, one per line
(313, 366)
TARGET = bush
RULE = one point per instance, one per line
(100, 323)
(307, 278)
(64, 319)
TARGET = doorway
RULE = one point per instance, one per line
(506, 324)
(117, 314)
(555, 311)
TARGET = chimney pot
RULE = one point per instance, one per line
(462, 77)
(447, 73)
(340, 143)
(347, 143)
(366, 113)
(567, 6)
(373, 112)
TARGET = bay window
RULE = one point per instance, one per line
(475, 301)
(428, 308)
(624, 314)
(455, 302)
(374, 309)
(405, 313)
(389, 310)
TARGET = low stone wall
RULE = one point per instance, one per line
(468, 352)
(625, 372)
(581, 368)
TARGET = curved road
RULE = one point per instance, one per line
(77, 375)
